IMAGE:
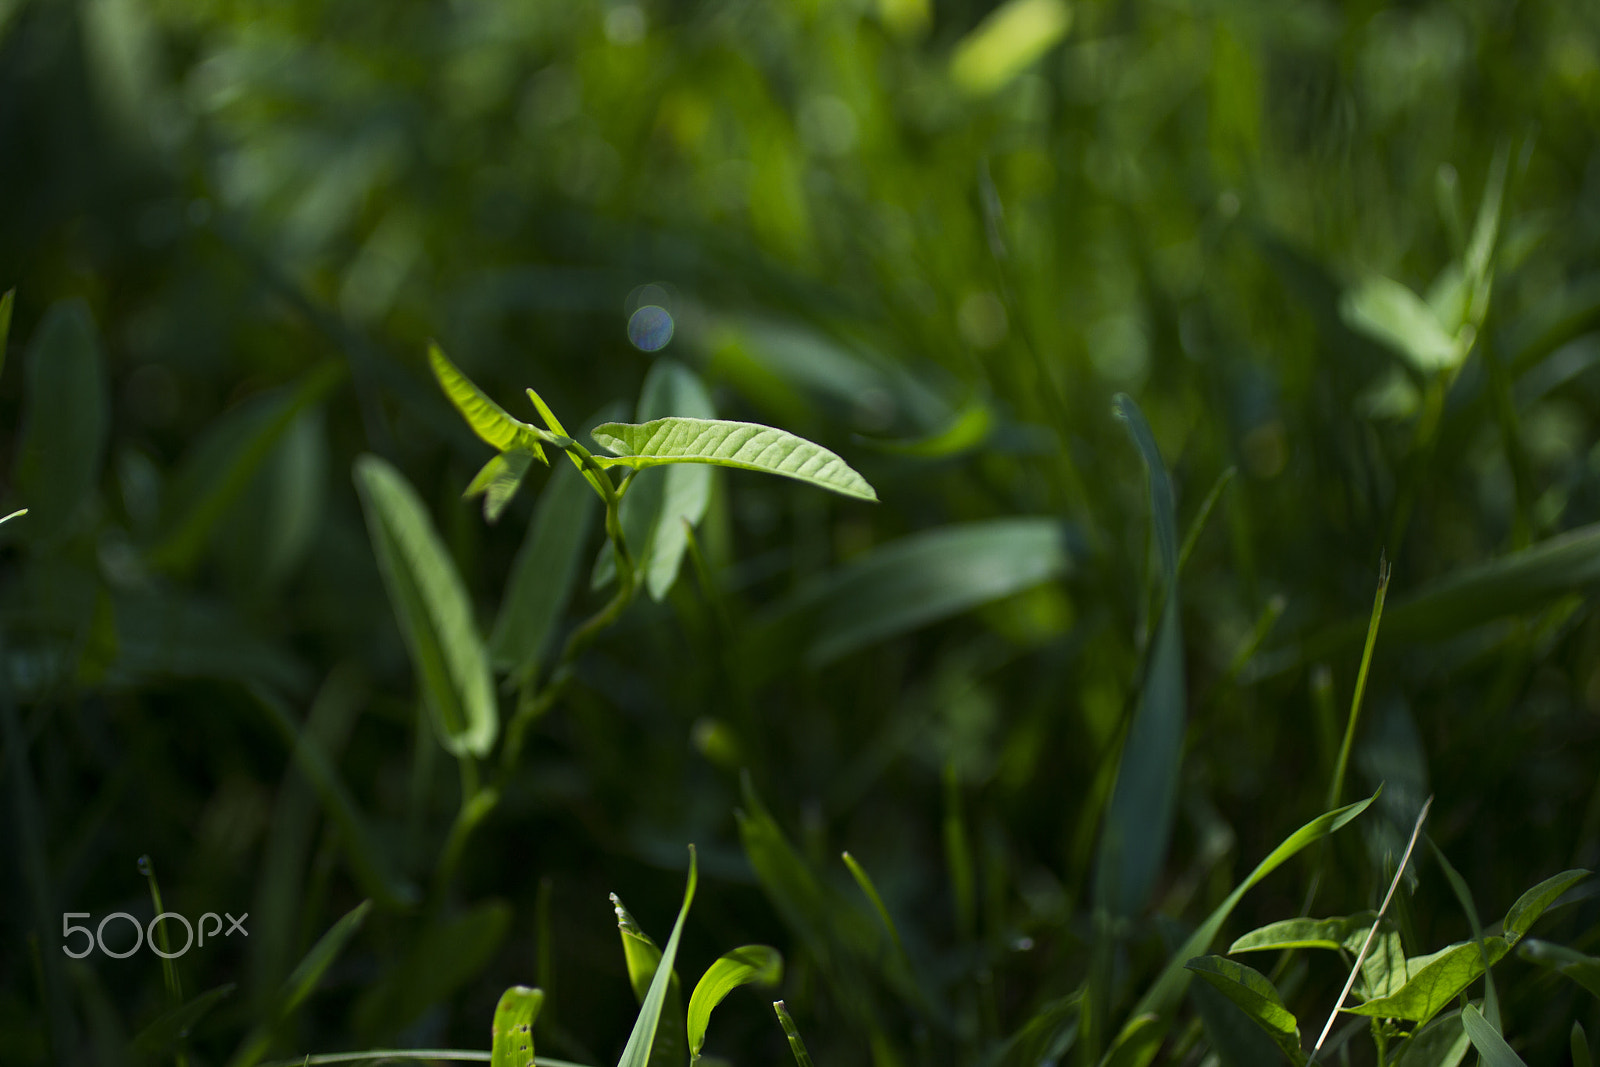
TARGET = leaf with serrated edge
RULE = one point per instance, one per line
(431, 606)
(512, 1030)
(637, 1051)
(488, 420)
(745, 445)
(1487, 1040)
(748, 964)
(1532, 904)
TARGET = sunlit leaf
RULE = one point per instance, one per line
(498, 481)
(431, 606)
(1334, 933)
(744, 445)
(1532, 904)
(1388, 312)
(748, 965)
(1256, 997)
(1435, 980)
(1012, 37)
(512, 1030)
(637, 1051)
(487, 419)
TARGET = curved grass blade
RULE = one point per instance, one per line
(431, 606)
(746, 965)
(488, 420)
(637, 1051)
(797, 1047)
(1458, 885)
(65, 419)
(870, 891)
(1250, 990)
(1487, 1040)
(1138, 821)
(744, 445)
(512, 1030)
(1585, 970)
(1163, 995)
(543, 575)
(926, 578)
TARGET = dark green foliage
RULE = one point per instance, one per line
(1101, 351)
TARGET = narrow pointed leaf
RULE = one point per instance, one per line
(499, 480)
(1435, 980)
(745, 445)
(748, 965)
(637, 1051)
(512, 1030)
(1163, 995)
(1532, 904)
(543, 575)
(488, 420)
(431, 606)
(1250, 990)
(1487, 1040)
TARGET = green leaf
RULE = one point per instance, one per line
(1532, 904)
(487, 419)
(1435, 980)
(1010, 39)
(926, 578)
(218, 470)
(1585, 970)
(654, 510)
(1137, 1044)
(1392, 314)
(1580, 1046)
(797, 1047)
(1163, 995)
(542, 577)
(1334, 933)
(1442, 1043)
(1137, 827)
(637, 1051)
(162, 1036)
(65, 420)
(749, 964)
(498, 481)
(1385, 970)
(1487, 1040)
(512, 1030)
(1458, 885)
(431, 606)
(745, 445)
(1256, 997)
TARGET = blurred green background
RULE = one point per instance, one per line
(937, 238)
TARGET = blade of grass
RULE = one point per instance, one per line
(1367, 944)
(169, 971)
(1458, 885)
(870, 890)
(637, 1051)
(1487, 1040)
(1336, 787)
(802, 1058)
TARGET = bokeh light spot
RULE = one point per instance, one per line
(650, 328)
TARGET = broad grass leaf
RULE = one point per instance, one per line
(1137, 1043)
(221, 466)
(1137, 827)
(544, 573)
(444, 957)
(499, 480)
(1442, 1043)
(1532, 904)
(1163, 995)
(431, 606)
(925, 578)
(1392, 314)
(1435, 980)
(747, 965)
(640, 1041)
(1254, 995)
(65, 421)
(162, 1036)
(1487, 1040)
(1585, 970)
(488, 420)
(1331, 933)
(744, 445)
(512, 1030)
